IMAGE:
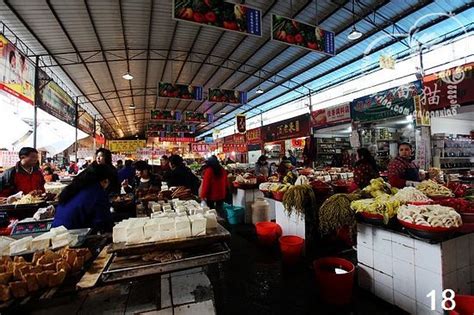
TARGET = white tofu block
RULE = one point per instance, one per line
(172, 214)
(21, 245)
(151, 228)
(181, 214)
(158, 214)
(181, 223)
(166, 224)
(119, 232)
(58, 230)
(156, 208)
(199, 211)
(5, 245)
(166, 235)
(61, 240)
(135, 234)
(183, 233)
(198, 225)
(212, 211)
(42, 242)
(211, 220)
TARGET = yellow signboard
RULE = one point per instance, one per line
(126, 146)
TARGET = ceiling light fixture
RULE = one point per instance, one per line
(127, 76)
(259, 90)
(223, 113)
(354, 34)
(132, 106)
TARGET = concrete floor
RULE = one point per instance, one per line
(256, 282)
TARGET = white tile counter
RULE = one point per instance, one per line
(292, 225)
(402, 270)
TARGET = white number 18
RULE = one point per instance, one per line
(448, 295)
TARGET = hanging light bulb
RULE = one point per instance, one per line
(127, 76)
(259, 91)
(131, 106)
(354, 34)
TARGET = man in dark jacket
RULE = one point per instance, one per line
(25, 176)
(181, 175)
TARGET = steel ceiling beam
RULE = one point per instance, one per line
(91, 19)
(167, 57)
(147, 61)
(35, 36)
(58, 20)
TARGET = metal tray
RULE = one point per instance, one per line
(131, 267)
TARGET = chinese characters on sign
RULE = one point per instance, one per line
(126, 146)
(331, 116)
(165, 115)
(387, 62)
(241, 125)
(291, 128)
(203, 147)
(180, 91)
(254, 136)
(176, 139)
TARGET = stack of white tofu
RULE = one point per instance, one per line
(187, 219)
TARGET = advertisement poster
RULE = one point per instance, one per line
(54, 100)
(176, 139)
(450, 87)
(126, 146)
(241, 123)
(180, 91)
(165, 115)
(220, 14)
(156, 127)
(227, 96)
(203, 147)
(197, 117)
(290, 128)
(230, 147)
(386, 104)
(330, 116)
(8, 159)
(254, 136)
(17, 73)
(295, 33)
(86, 123)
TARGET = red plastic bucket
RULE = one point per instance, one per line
(335, 288)
(291, 247)
(266, 232)
(464, 305)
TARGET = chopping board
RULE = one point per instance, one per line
(92, 275)
(212, 236)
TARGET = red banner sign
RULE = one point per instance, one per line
(331, 116)
(229, 148)
(241, 123)
(296, 127)
(448, 88)
(176, 139)
(239, 138)
(254, 136)
(100, 139)
(203, 147)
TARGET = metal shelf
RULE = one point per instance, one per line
(456, 157)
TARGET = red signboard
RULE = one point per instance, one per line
(331, 116)
(176, 139)
(239, 138)
(448, 88)
(100, 139)
(229, 148)
(203, 147)
(295, 127)
(254, 136)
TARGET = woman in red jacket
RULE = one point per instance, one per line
(214, 185)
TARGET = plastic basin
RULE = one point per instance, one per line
(291, 247)
(334, 288)
(266, 232)
(464, 305)
(235, 214)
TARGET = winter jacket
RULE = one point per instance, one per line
(183, 176)
(16, 179)
(400, 170)
(213, 188)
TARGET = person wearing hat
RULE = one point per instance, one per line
(25, 176)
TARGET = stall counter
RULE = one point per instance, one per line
(403, 271)
(292, 225)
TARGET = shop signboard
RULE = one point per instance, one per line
(295, 127)
(99, 139)
(126, 146)
(8, 159)
(221, 14)
(386, 104)
(165, 115)
(254, 147)
(331, 116)
(176, 139)
(238, 138)
(295, 33)
(17, 72)
(209, 140)
(420, 120)
(197, 117)
(170, 128)
(54, 100)
(203, 147)
(86, 123)
(448, 88)
(231, 147)
(254, 136)
(241, 123)
(227, 96)
(180, 91)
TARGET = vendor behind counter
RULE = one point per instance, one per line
(402, 168)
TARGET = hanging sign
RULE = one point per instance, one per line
(220, 14)
(386, 104)
(165, 115)
(180, 91)
(99, 139)
(86, 123)
(229, 148)
(176, 139)
(330, 116)
(196, 117)
(387, 62)
(209, 140)
(448, 88)
(241, 123)
(203, 147)
(156, 127)
(126, 146)
(238, 138)
(54, 100)
(295, 33)
(254, 136)
(295, 127)
(17, 72)
(227, 96)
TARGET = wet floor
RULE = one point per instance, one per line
(256, 282)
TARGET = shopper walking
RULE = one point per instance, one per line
(402, 168)
(214, 185)
(365, 168)
(181, 175)
(261, 167)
